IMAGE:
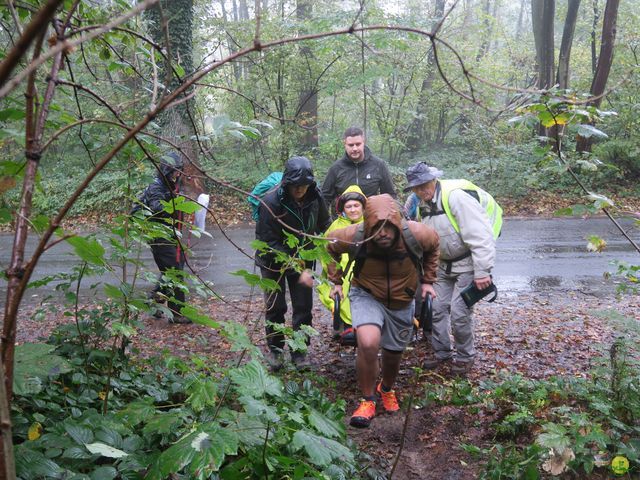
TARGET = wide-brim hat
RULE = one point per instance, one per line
(420, 173)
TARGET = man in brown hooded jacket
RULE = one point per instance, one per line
(382, 293)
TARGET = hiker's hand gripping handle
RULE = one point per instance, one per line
(427, 288)
(336, 290)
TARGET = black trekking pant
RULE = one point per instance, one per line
(276, 303)
(167, 256)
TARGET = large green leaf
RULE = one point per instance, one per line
(194, 315)
(265, 284)
(321, 450)
(34, 362)
(88, 249)
(11, 114)
(554, 436)
(162, 423)
(137, 412)
(587, 131)
(174, 459)
(202, 394)
(180, 204)
(238, 337)
(80, 434)
(258, 408)
(33, 465)
(325, 425)
(253, 379)
(104, 473)
(251, 431)
(211, 446)
(105, 450)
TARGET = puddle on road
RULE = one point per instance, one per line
(513, 285)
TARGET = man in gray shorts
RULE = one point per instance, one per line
(389, 256)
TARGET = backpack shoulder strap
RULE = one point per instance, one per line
(413, 246)
(357, 252)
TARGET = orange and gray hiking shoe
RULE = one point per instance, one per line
(361, 418)
(389, 400)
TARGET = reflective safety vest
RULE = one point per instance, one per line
(487, 202)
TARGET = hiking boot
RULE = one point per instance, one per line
(389, 400)
(300, 361)
(361, 418)
(275, 360)
(180, 319)
(461, 368)
(435, 362)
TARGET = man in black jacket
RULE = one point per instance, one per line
(358, 166)
(167, 250)
(296, 207)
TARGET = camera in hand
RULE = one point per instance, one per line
(471, 295)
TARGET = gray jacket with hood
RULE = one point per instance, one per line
(475, 236)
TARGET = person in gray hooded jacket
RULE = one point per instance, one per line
(467, 255)
(358, 166)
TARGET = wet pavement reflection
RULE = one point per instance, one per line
(534, 255)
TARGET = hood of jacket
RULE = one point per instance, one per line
(353, 192)
(381, 208)
(298, 171)
(170, 163)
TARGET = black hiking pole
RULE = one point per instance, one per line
(337, 319)
(426, 315)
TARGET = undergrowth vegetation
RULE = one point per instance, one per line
(560, 425)
(93, 412)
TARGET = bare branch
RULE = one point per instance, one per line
(36, 26)
(65, 45)
(14, 16)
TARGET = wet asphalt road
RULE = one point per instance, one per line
(534, 255)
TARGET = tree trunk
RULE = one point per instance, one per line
(487, 24)
(542, 17)
(594, 29)
(605, 59)
(519, 27)
(416, 134)
(174, 19)
(562, 78)
(36, 115)
(244, 10)
(307, 111)
(7, 466)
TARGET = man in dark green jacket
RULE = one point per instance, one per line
(359, 167)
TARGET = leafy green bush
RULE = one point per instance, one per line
(566, 424)
(168, 416)
(624, 154)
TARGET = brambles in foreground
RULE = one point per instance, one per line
(561, 424)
